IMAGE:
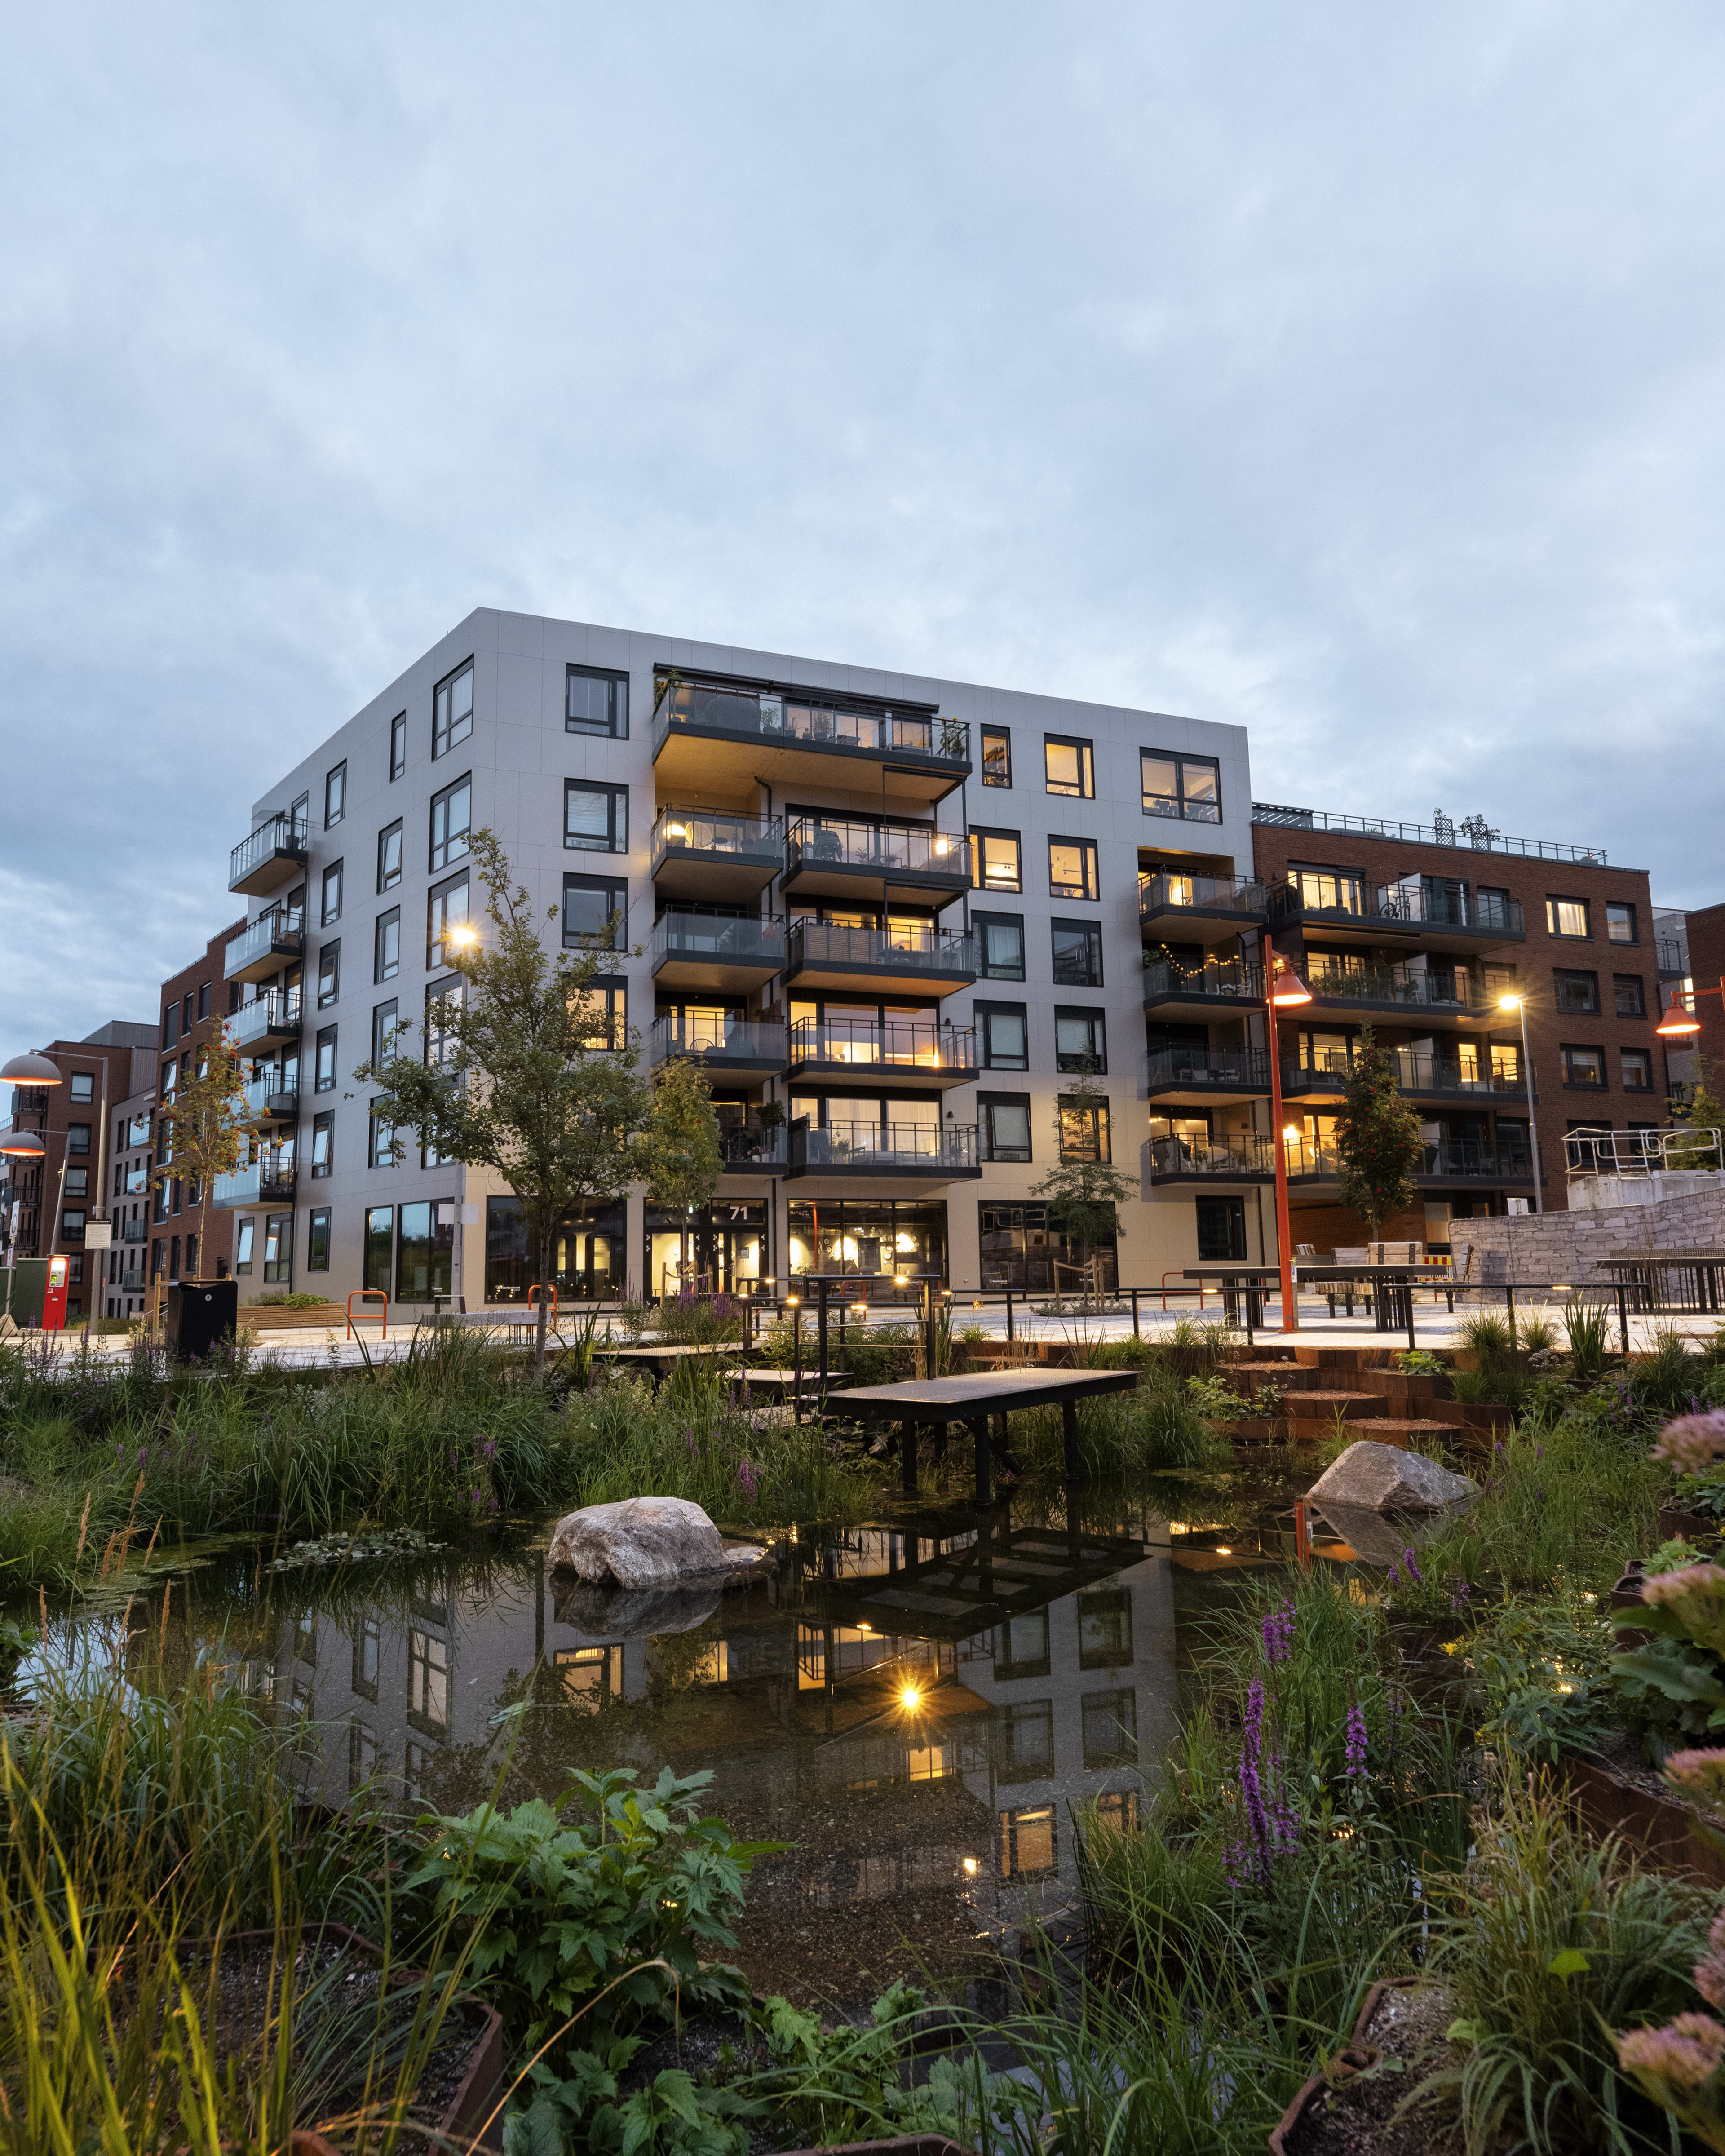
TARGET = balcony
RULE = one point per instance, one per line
(707, 853)
(933, 1152)
(937, 961)
(1250, 1158)
(134, 1231)
(1442, 1077)
(1415, 997)
(1201, 1077)
(905, 1050)
(269, 1180)
(273, 940)
(1445, 1163)
(711, 736)
(1211, 990)
(749, 1149)
(271, 1101)
(272, 1020)
(1199, 909)
(723, 1046)
(718, 951)
(1672, 958)
(1348, 910)
(833, 857)
(273, 854)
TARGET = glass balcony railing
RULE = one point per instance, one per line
(1223, 981)
(713, 833)
(908, 947)
(1443, 1159)
(710, 1037)
(134, 1231)
(1239, 1069)
(1416, 1072)
(805, 722)
(1398, 905)
(1249, 1154)
(274, 1015)
(825, 841)
(1393, 984)
(267, 1180)
(748, 1146)
(270, 1096)
(1165, 892)
(278, 841)
(907, 1045)
(279, 933)
(918, 1146)
(721, 939)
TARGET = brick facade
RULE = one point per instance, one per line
(1707, 969)
(194, 1003)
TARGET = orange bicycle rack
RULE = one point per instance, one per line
(538, 1289)
(366, 1294)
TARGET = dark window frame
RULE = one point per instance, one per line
(981, 923)
(382, 969)
(388, 877)
(329, 965)
(382, 1040)
(1091, 931)
(436, 959)
(450, 728)
(979, 834)
(1568, 1049)
(1187, 808)
(327, 1037)
(1097, 1022)
(440, 860)
(1086, 789)
(984, 1015)
(1552, 901)
(1101, 1125)
(1091, 859)
(1638, 1000)
(1003, 736)
(1568, 981)
(397, 745)
(613, 793)
(1644, 1057)
(616, 678)
(317, 1236)
(990, 1149)
(335, 795)
(323, 1125)
(614, 887)
(336, 871)
(1625, 905)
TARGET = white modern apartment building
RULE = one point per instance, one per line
(895, 918)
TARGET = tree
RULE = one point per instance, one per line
(683, 1162)
(1378, 1148)
(1704, 1112)
(1084, 1191)
(205, 1130)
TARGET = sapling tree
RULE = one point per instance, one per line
(206, 1130)
(1378, 1148)
(1084, 1190)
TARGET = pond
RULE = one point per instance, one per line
(917, 1707)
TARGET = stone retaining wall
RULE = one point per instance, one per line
(1573, 1247)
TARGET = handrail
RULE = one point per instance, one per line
(365, 1294)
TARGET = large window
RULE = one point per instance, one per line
(1000, 945)
(451, 820)
(1575, 992)
(331, 894)
(1620, 924)
(1003, 1036)
(389, 857)
(1072, 869)
(1077, 953)
(1188, 787)
(323, 1144)
(997, 756)
(1567, 916)
(425, 1252)
(1005, 1119)
(1070, 765)
(595, 702)
(443, 999)
(335, 796)
(1081, 1040)
(595, 912)
(1221, 1230)
(379, 1247)
(329, 974)
(445, 910)
(324, 1065)
(607, 1015)
(1084, 1129)
(452, 709)
(994, 863)
(385, 955)
(1584, 1066)
(398, 745)
(595, 818)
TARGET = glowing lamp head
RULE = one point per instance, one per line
(1287, 991)
(1678, 1022)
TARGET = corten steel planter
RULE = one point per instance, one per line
(480, 2088)
(1665, 1831)
(1676, 1525)
(1355, 2057)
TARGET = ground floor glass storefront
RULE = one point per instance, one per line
(1019, 1248)
(587, 1254)
(716, 1249)
(883, 1237)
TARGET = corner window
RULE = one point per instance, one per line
(323, 1143)
(1003, 1036)
(389, 857)
(1084, 1129)
(1584, 1066)
(1000, 945)
(387, 938)
(451, 819)
(997, 756)
(397, 745)
(595, 702)
(317, 1240)
(1081, 1040)
(1620, 924)
(445, 910)
(1005, 1121)
(1637, 1070)
(335, 796)
(1566, 916)
(595, 912)
(1077, 953)
(323, 1079)
(329, 974)
(331, 894)
(452, 710)
(1070, 766)
(1628, 995)
(1186, 787)
(595, 818)
(1575, 992)
(995, 861)
(1072, 869)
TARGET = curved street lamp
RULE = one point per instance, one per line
(30, 1070)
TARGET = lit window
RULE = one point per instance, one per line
(1566, 916)
(1072, 869)
(1070, 766)
(1186, 787)
(997, 756)
(995, 861)
(1584, 1066)
(1084, 1129)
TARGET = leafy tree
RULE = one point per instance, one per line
(1704, 1112)
(684, 1162)
(1083, 1195)
(1378, 1149)
(206, 1130)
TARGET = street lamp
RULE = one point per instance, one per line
(1520, 1003)
(30, 1070)
(1287, 991)
(1679, 1022)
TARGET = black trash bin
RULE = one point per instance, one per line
(200, 1313)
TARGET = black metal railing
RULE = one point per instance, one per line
(1242, 1069)
(1222, 980)
(1250, 1153)
(749, 1145)
(908, 1044)
(807, 721)
(921, 1147)
(880, 849)
(1474, 833)
(906, 948)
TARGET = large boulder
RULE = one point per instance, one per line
(644, 1542)
(1383, 1478)
(635, 1613)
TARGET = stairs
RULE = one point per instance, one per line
(1318, 1385)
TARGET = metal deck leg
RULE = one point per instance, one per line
(984, 1489)
(1069, 1432)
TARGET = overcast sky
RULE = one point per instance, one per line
(1351, 371)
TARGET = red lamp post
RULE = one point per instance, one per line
(1286, 991)
(1679, 1020)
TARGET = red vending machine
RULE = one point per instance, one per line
(54, 1299)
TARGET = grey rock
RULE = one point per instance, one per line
(634, 1613)
(1383, 1478)
(1376, 1538)
(643, 1543)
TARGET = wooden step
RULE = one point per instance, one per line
(1404, 1430)
(1287, 1377)
(1313, 1408)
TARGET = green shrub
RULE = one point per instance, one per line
(1542, 1677)
(1488, 1335)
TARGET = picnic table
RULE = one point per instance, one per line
(976, 1401)
(1392, 1287)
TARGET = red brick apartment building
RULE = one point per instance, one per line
(195, 1004)
(1419, 932)
(1706, 972)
